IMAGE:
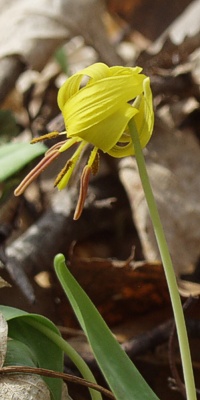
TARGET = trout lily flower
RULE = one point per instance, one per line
(97, 105)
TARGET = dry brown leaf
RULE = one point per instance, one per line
(173, 162)
(33, 30)
(119, 289)
(186, 25)
(150, 18)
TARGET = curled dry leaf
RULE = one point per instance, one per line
(31, 30)
(23, 387)
(3, 339)
(17, 386)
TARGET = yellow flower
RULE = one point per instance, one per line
(97, 104)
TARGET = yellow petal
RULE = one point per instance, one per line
(96, 72)
(124, 70)
(101, 104)
(144, 119)
(99, 112)
(106, 134)
(119, 151)
(72, 85)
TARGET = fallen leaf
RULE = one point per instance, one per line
(173, 164)
(34, 30)
(186, 25)
(150, 13)
(119, 289)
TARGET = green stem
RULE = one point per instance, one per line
(71, 353)
(168, 267)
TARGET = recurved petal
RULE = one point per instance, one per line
(144, 119)
(95, 72)
(72, 85)
(125, 70)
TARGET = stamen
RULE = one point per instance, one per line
(64, 170)
(50, 135)
(95, 164)
(35, 172)
(63, 179)
(83, 191)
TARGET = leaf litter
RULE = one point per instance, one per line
(132, 300)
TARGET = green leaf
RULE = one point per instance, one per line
(19, 353)
(48, 354)
(45, 326)
(122, 376)
(14, 157)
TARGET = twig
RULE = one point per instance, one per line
(55, 374)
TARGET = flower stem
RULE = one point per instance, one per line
(168, 267)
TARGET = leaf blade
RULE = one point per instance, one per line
(15, 156)
(122, 376)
